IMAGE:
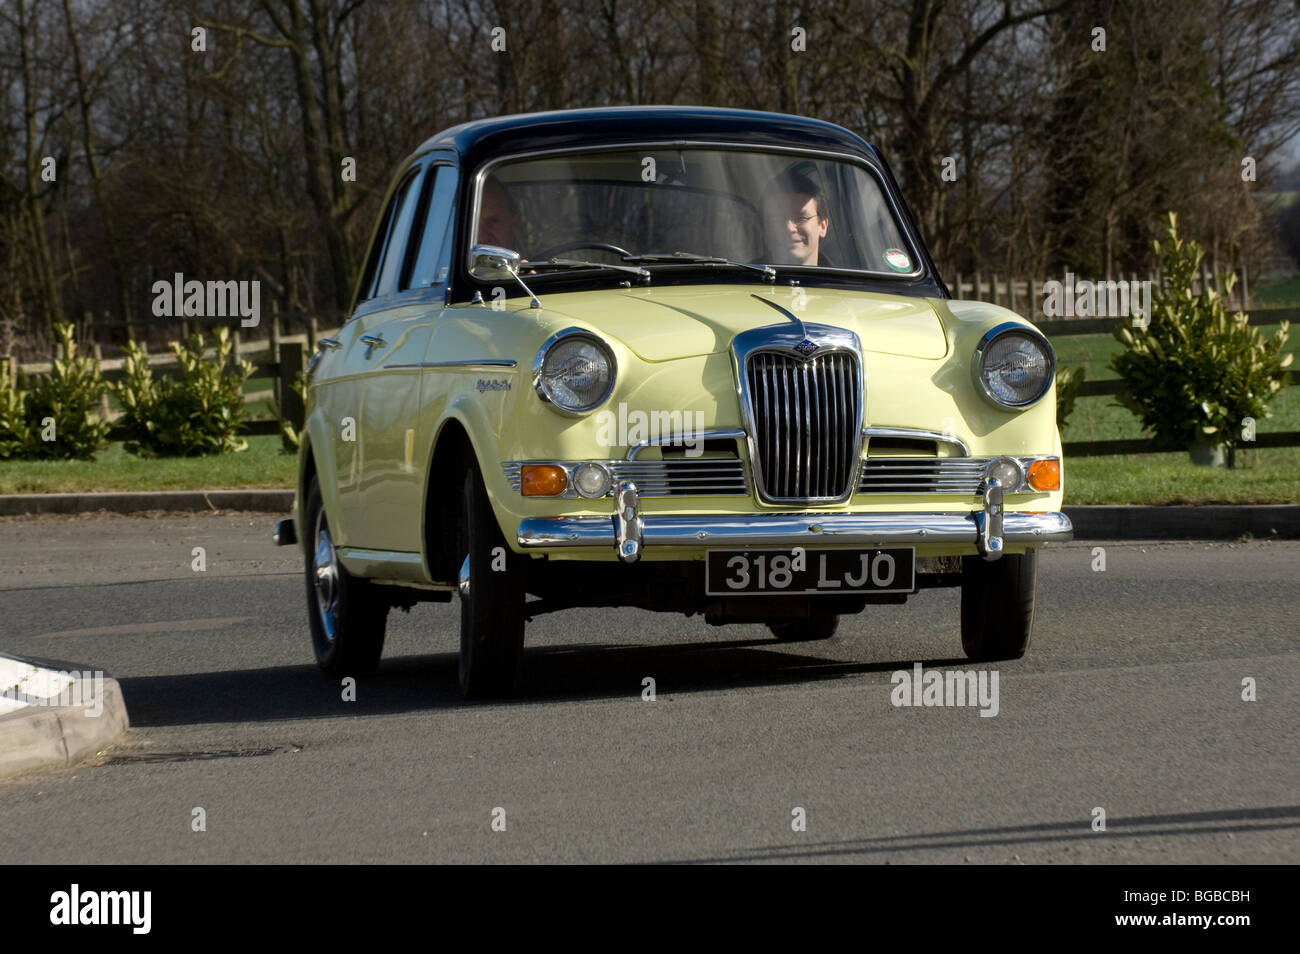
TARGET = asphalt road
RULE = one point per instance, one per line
(1130, 700)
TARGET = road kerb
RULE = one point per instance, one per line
(41, 732)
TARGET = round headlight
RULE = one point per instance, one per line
(1014, 366)
(574, 371)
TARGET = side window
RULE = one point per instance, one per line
(405, 202)
(366, 290)
(428, 265)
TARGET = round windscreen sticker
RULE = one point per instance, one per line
(897, 259)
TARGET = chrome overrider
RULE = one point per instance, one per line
(630, 532)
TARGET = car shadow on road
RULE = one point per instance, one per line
(424, 682)
(1229, 821)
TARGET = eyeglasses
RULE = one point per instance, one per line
(778, 219)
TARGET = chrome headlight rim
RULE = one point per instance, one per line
(981, 349)
(539, 362)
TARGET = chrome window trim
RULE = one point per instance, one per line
(987, 339)
(900, 220)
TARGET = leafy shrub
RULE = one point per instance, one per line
(15, 435)
(198, 413)
(1195, 372)
(68, 399)
(290, 436)
(1067, 392)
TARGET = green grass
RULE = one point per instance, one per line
(1285, 291)
(263, 465)
(1261, 476)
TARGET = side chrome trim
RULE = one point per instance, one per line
(477, 363)
(389, 564)
(922, 435)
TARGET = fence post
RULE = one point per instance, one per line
(1011, 292)
(956, 289)
(313, 334)
(292, 361)
(975, 293)
(275, 332)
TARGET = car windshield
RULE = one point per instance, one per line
(743, 206)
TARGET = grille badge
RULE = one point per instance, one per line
(806, 347)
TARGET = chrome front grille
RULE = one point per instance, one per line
(806, 424)
(685, 477)
(923, 475)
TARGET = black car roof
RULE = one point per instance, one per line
(528, 132)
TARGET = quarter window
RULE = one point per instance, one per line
(405, 203)
(428, 261)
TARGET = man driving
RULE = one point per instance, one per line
(498, 219)
(796, 219)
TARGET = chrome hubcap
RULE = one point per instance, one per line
(462, 580)
(326, 571)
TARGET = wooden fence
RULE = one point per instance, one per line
(1026, 295)
(281, 357)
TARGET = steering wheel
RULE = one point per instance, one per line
(573, 246)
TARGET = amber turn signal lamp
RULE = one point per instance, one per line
(542, 480)
(1045, 475)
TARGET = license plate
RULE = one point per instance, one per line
(802, 571)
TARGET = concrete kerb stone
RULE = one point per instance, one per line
(179, 501)
(41, 734)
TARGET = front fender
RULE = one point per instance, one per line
(317, 446)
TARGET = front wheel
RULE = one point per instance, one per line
(997, 605)
(348, 614)
(491, 599)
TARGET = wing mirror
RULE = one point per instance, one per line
(493, 261)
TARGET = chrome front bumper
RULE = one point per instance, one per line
(629, 531)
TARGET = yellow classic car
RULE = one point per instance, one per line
(685, 359)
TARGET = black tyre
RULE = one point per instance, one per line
(348, 614)
(997, 605)
(805, 630)
(491, 599)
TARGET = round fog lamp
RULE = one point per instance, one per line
(1007, 471)
(591, 480)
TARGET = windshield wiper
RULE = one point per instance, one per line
(574, 263)
(689, 258)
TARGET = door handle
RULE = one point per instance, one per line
(372, 342)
